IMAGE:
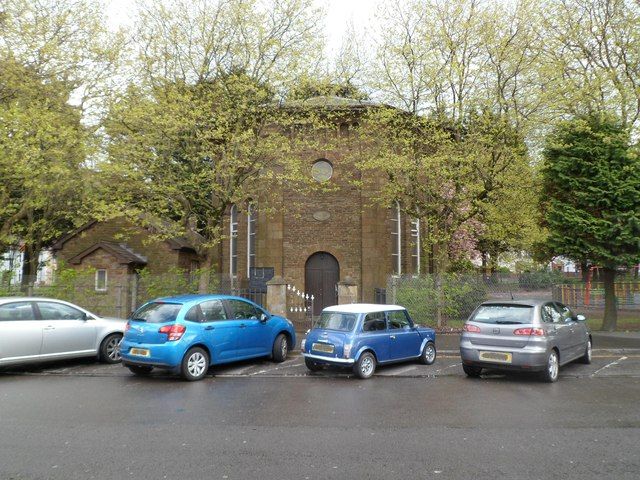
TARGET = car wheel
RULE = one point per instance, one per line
(428, 356)
(311, 365)
(140, 370)
(110, 348)
(195, 364)
(586, 358)
(365, 366)
(473, 372)
(280, 348)
(552, 369)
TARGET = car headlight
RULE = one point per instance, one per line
(346, 352)
(302, 344)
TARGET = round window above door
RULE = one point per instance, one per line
(321, 171)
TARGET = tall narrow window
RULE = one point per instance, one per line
(233, 241)
(251, 238)
(101, 280)
(396, 240)
(415, 241)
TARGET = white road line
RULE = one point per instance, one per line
(444, 368)
(397, 372)
(615, 362)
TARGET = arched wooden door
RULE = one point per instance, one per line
(321, 276)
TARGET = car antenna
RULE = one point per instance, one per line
(511, 293)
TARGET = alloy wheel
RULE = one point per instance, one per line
(553, 365)
(366, 367)
(430, 353)
(196, 364)
(113, 349)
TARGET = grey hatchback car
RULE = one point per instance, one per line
(536, 336)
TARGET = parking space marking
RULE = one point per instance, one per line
(397, 372)
(615, 362)
(445, 368)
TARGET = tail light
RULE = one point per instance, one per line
(471, 328)
(174, 331)
(538, 332)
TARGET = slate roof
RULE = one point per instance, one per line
(121, 251)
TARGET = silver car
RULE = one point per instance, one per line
(44, 329)
(536, 336)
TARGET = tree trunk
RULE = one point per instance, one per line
(204, 283)
(29, 266)
(610, 302)
(584, 270)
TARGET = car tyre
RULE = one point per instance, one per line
(552, 369)
(140, 370)
(110, 348)
(586, 358)
(280, 348)
(429, 353)
(311, 365)
(473, 372)
(195, 364)
(365, 367)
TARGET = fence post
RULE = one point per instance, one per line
(347, 291)
(30, 290)
(277, 296)
(439, 299)
(394, 290)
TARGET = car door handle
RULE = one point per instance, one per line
(392, 337)
(49, 327)
(209, 327)
(242, 325)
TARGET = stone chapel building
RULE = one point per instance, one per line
(316, 240)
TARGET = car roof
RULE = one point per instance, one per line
(529, 302)
(362, 308)
(196, 298)
(31, 299)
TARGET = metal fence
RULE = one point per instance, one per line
(121, 298)
(449, 299)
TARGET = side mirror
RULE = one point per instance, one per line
(264, 317)
(83, 317)
(581, 318)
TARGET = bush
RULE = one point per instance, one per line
(459, 296)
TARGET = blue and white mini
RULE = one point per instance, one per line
(363, 336)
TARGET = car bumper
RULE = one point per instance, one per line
(329, 360)
(528, 358)
(167, 355)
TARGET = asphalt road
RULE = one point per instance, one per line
(83, 420)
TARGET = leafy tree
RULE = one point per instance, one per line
(43, 147)
(591, 201)
(198, 128)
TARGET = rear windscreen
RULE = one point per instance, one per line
(157, 312)
(503, 314)
(337, 321)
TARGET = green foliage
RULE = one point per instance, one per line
(591, 197)
(456, 296)
(540, 279)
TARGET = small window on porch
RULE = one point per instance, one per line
(101, 280)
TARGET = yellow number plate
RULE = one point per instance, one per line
(140, 352)
(322, 347)
(499, 357)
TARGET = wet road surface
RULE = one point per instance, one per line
(83, 420)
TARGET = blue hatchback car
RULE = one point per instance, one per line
(186, 334)
(362, 336)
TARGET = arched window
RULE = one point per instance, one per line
(233, 241)
(251, 238)
(415, 241)
(396, 239)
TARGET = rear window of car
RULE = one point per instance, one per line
(157, 312)
(503, 314)
(337, 321)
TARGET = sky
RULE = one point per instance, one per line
(339, 13)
